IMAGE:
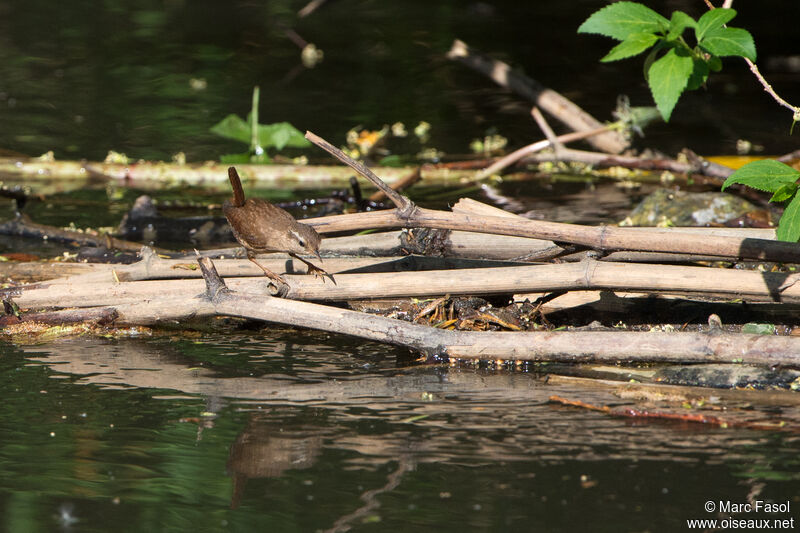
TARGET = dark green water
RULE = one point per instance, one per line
(82, 79)
(286, 430)
(291, 431)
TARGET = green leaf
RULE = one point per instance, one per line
(668, 77)
(789, 224)
(715, 63)
(233, 127)
(679, 22)
(756, 328)
(699, 75)
(711, 20)
(635, 44)
(784, 192)
(651, 58)
(622, 19)
(278, 135)
(765, 175)
(393, 160)
(281, 134)
(730, 42)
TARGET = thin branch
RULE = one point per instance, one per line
(603, 160)
(767, 87)
(754, 69)
(310, 7)
(546, 129)
(518, 154)
(397, 199)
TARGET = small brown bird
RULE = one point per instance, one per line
(260, 226)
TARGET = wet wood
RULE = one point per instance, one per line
(677, 393)
(23, 226)
(602, 160)
(144, 174)
(98, 315)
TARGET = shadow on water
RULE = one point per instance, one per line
(296, 434)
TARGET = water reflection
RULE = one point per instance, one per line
(266, 449)
(361, 436)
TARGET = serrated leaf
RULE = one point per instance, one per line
(784, 192)
(679, 22)
(667, 78)
(622, 19)
(724, 42)
(232, 127)
(713, 19)
(789, 224)
(699, 75)
(765, 175)
(635, 44)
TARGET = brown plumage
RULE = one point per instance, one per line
(261, 227)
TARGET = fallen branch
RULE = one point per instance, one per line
(22, 226)
(697, 418)
(605, 238)
(678, 393)
(563, 346)
(599, 238)
(98, 315)
(549, 100)
(587, 275)
(147, 174)
(601, 160)
(516, 155)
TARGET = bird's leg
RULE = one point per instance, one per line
(314, 269)
(267, 272)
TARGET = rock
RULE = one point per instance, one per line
(680, 208)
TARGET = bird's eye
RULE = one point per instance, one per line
(299, 238)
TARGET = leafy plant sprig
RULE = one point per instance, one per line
(779, 179)
(259, 136)
(673, 65)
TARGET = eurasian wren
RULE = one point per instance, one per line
(260, 226)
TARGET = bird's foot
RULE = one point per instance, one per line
(314, 269)
(319, 273)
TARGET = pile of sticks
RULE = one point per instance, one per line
(161, 291)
